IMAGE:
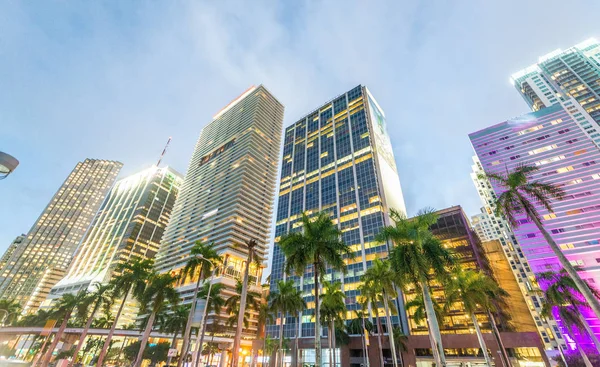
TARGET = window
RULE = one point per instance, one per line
(578, 152)
(531, 129)
(543, 149)
(566, 246)
(588, 163)
(564, 169)
(557, 121)
(563, 131)
(558, 230)
(549, 216)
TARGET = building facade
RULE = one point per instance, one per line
(129, 224)
(10, 250)
(53, 239)
(559, 75)
(554, 140)
(227, 196)
(337, 159)
(484, 226)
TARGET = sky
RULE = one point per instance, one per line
(114, 79)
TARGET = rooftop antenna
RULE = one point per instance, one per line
(163, 152)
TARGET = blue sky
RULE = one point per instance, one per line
(115, 79)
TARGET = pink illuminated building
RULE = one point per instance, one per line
(553, 139)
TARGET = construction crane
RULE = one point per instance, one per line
(163, 152)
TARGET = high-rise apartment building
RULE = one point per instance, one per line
(559, 75)
(499, 230)
(129, 224)
(337, 159)
(227, 195)
(484, 226)
(555, 140)
(53, 239)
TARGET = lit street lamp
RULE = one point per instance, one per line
(8, 163)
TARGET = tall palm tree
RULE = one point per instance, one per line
(252, 258)
(418, 256)
(521, 196)
(233, 305)
(361, 326)
(100, 296)
(159, 293)
(286, 299)
(265, 316)
(215, 304)
(318, 245)
(380, 279)
(476, 291)
(174, 322)
(369, 299)
(570, 318)
(63, 309)
(561, 290)
(333, 310)
(400, 340)
(198, 266)
(130, 280)
(10, 310)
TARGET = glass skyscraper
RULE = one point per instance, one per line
(38, 263)
(553, 139)
(337, 159)
(130, 224)
(559, 75)
(227, 196)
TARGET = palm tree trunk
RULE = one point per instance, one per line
(390, 330)
(582, 353)
(505, 359)
(278, 355)
(334, 345)
(57, 337)
(379, 332)
(317, 318)
(188, 325)
(434, 327)
(240, 322)
(364, 341)
(297, 352)
(590, 332)
(566, 264)
(329, 343)
(173, 345)
(144, 341)
(204, 322)
(84, 333)
(111, 331)
(484, 349)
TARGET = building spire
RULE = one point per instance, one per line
(163, 152)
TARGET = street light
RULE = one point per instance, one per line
(200, 337)
(8, 163)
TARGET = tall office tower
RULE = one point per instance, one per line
(520, 338)
(484, 226)
(337, 159)
(556, 142)
(129, 224)
(228, 193)
(559, 75)
(499, 230)
(53, 239)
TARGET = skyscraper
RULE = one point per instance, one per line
(553, 139)
(10, 250)
(53, 239)
(499, 230)
(337, 159)
(228, 192)
(129, 224)
(559, 75)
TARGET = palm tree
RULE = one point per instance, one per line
(477, 292)
(10, 310)
(99, 297)
(319, 245)
(158, 295)
(400, 340)
(130, 280)
(198, 266)
(160, 292)
(264, 316)
(252, 258)
(359, 326)
(570, 317)
(369, 298)
(286, 299)
(63, 309)
(173, 322)
(521, 196)
(380, 279)
(562, 291)
(233, 305)
(333, 310)
(215, 304)
(418, 256)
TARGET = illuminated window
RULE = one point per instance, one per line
(543, 149)
(549, 216)
(566, 246)
(564, 169)
(580, 152)
(550, 160)
(557, 121)
(531, 129)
